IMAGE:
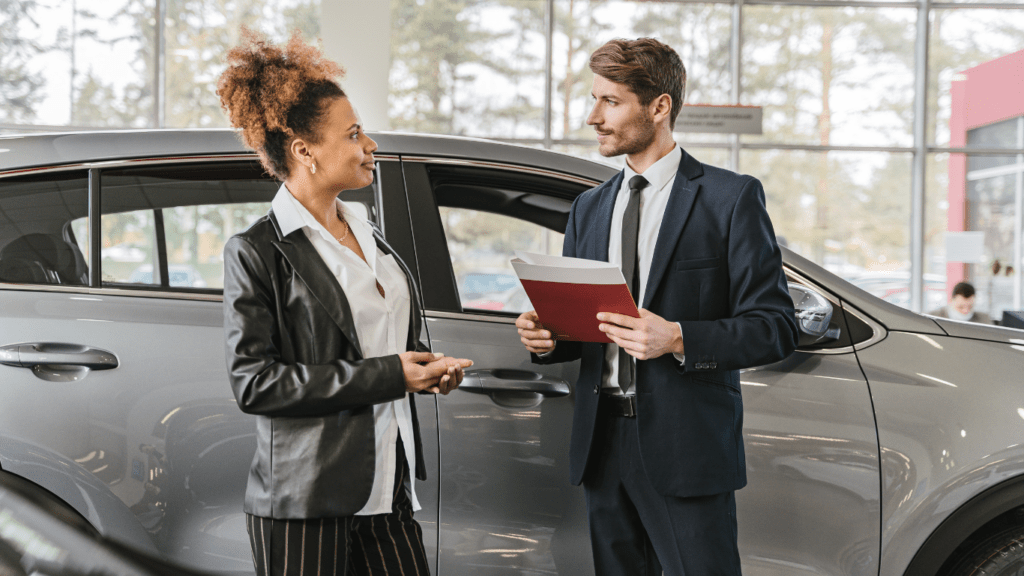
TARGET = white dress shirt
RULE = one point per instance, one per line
(382, 324)
(653, 200)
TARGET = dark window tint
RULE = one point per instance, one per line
(166, 226)
(42, 235)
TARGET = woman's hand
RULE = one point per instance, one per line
(453, 375)
(432, 372)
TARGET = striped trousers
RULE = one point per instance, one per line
(376, 545)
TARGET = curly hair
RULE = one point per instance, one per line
(275, 94)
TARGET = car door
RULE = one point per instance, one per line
(812, 502)
(161, 431)
(506, 505)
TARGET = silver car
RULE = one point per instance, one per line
(890, 443)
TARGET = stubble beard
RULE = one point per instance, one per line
(641, 135)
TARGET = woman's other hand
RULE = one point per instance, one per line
(453, 374)
(432, 372)
(421, 372)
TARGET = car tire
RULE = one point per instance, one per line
(999, 555)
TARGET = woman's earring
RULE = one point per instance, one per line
(312, 168)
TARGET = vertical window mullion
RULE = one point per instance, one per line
(95, 230)
(161, 248)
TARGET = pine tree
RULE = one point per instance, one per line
(20, 86)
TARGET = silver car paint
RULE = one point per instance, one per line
(808, 429)
(506, 502)
(947, 432)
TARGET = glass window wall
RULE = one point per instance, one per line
(836, 83)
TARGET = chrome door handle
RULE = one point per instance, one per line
(501, 380)
(56, 354)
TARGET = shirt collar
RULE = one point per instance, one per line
(292, 215)
(661, 172)
(288, 211)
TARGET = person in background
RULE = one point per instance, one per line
(322, 325)
(961, 306)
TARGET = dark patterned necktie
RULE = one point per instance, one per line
(630, 267)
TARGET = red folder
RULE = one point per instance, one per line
(568, 293)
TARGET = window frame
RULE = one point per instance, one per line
(385, 163)
(433, 256)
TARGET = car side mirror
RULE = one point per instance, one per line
(813, 315)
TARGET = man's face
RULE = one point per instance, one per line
(622, 124)
(962, 305)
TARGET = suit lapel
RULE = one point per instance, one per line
(605, 206)
(310, 268)
(680, 203)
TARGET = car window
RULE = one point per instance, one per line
(487, 214)
(481, 244)
(38, 243)
(129, 247)
(166, 226)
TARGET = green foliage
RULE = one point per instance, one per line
(432, 42)
(20, 86)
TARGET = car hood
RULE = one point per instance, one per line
(976, 331)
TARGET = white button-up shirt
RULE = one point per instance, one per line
(653, 201)
(382, 324)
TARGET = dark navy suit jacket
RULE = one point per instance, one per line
(717, 270)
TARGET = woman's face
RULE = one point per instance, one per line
(344, 156)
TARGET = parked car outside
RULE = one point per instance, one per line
(479, 283)
(894, 287)
(179, 276)
(893, 445)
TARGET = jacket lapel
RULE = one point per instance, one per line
(680, 203)
(310, 268)
(605, 206)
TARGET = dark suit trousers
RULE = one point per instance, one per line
(637, 532)
(353, 546)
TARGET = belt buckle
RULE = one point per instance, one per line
(629, 406)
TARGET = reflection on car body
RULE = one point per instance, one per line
(889, 443)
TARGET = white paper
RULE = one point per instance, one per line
(544, 268)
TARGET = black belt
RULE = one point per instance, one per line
(616, 405)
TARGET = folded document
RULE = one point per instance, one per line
(567, 293)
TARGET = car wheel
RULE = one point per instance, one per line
(998, 555)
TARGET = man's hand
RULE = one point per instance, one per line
(532, 333)
(643, 338)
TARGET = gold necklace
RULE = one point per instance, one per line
(345, 222)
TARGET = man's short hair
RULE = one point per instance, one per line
(963, 289)
(648, 67)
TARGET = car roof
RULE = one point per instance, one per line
(64, 148)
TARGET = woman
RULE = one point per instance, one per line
(321, 323)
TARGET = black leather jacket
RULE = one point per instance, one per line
(294, 360)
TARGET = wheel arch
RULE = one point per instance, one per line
(53, 481)
(983, 514)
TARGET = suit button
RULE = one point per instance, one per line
(597, 389)
(700, 365)
(714, 365)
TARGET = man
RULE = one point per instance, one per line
(961, 306)
(656, 438)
